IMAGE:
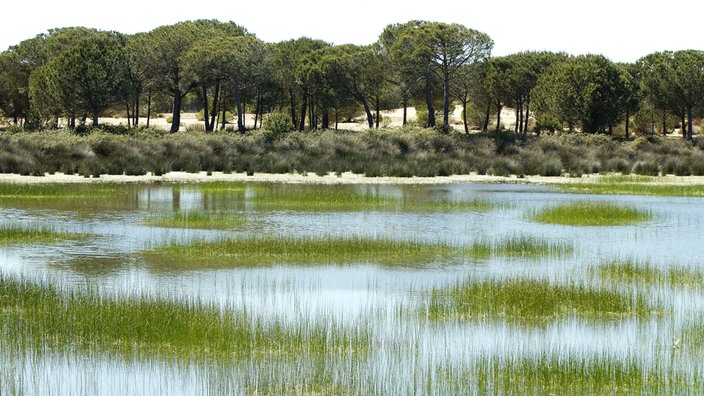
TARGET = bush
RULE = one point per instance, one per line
(276, 124)
(547, 123)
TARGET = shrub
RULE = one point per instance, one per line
(277, 124)
(547, 123)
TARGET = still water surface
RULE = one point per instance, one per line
(351, 292)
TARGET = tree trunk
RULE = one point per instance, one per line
(136, 111)
(525, 128)
(498, 116)
(405, 110)
(304, 104)
(487, 115)
(519, 120)
(238, 101)
(176, 115)
(258, 109)
(294, 118)
(429, 103)
(149, 106)
(628, 116)
(206, 114)
(326, 118)
(129, 119)
(223, 120)
(377, 106)
(465, 101)
(446, 99)
(690, 115)
(683, 130)
(216, 95)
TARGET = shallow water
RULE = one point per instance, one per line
(404, 345)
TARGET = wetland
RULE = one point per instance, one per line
(271, 288)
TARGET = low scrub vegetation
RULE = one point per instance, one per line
(387, 152)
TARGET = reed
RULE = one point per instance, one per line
(530, 300)
(198, 219)
(345, 198)
(266, 251)
(635, 185)
(633, 271)
(270, 250)
(42, 318)
(550, 373)
(45, 191)
(21, 234)
(586, 213)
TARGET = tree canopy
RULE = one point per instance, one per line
(218, 67)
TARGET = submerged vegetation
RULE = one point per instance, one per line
(585, 213)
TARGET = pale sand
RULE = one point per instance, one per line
(312, 178)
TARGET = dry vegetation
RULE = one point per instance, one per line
(402, 152)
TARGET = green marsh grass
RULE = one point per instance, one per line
(28, 234)
(530, 300)
(632, 271)
(43, 318)
(552, 374)
(585, 213)
(635, 185)
(198, 219)
(271, 250)
(83, 198)
(37, 191)
(346, 198)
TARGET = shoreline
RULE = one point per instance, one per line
(312, 178)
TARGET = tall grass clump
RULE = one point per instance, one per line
(28, 234)
(198, 219)
(586, 213)
(635, 185)
(42, 318)
(270, 250)
(530, 300)
(342, 198)
(634, 271)
(266, 251)
(553, 374)
(529, 247)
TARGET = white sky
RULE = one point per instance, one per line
(622, 30)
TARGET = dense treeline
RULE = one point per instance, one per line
(79, 74)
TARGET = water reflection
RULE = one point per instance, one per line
(353, 293)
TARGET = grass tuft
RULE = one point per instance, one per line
(198, 219)
(632, 271)
(18, 234)
(271, 250)
(635, 185)
(529, 300)
(585, 213)
(42, 318)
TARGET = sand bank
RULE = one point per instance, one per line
(312, 178)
